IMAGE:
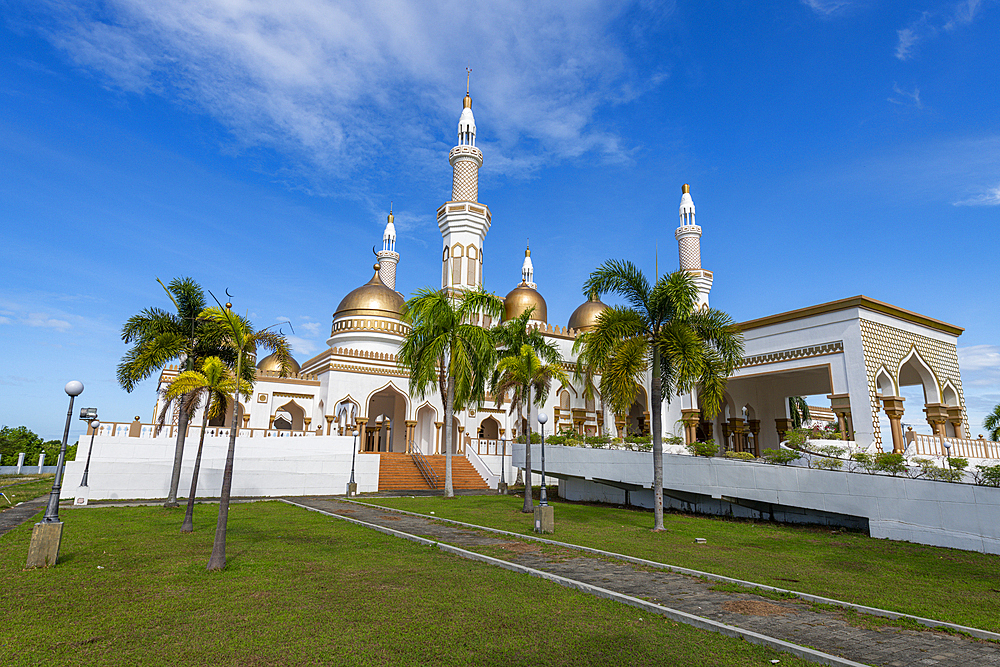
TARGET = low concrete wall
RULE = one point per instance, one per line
(126, 468)
(962, 516)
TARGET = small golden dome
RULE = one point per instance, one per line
(584, 318)
(467, 102)
(686, 189)
(520, 299)
(270, 363)
(372, 298)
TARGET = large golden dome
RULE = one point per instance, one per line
(270, 363)
(520, 299)
(584, 318)
(372, 298)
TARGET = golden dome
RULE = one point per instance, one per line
(520, 299)
(584, 318)
(372, 298)
(467, 102)
(270, 363)
(686, 189)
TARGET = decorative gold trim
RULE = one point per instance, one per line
(860, 301)
(820, 350)
(283, 394)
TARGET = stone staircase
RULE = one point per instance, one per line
(398, 472)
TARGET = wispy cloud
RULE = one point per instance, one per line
(337, 87)
(312, 328)
(43, 320)
(988, 197)
(302, 348)
(930, 24)
(979, 357)
(826, 7)
(906, 98)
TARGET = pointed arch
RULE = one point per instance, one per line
(913, 370)
(425, 431)
(296, 417)
(490, 428)
(949, 394)
(885, 385)
(389, 402)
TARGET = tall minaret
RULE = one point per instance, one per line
(528, 270)
(388, 258)
(463, 221)
(688, 237)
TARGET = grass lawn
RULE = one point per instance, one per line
(301, 588)
(17, 490)
(944, 584)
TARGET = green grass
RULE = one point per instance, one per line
(302, 588)
(17, 492)
(945, 584)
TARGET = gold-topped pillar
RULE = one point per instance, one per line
(753, 425)
(461, 445)
(361, 434)
(937, 417)
(893, 406)
(329, 424)
(690, 418)
(782, 426)
(437, 437)
(410, 425)
(305, 424)
(724, 427)
(738, 428)
(955, 419)
(841, 406)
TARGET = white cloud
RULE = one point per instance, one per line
(988, 197)
(906, 98)
(335, 87)
(282, 318)
(311, 327)
(979, 357)
(4, 320)
(826, 7)
(42, 320)
(930, 24)
(302, 348)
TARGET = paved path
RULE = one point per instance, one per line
(793, 621)
(14, 516)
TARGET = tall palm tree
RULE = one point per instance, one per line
(215, 381)
(525, 375)
(444, 348)
(660, 331)
(240, 338)
(799, 411)
(510, 337)
(992, 423)
(159, 337)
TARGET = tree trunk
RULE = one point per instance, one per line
(175, 475)
(218, 559)
(656, 399)
(529, 503)
(449, 418)
(188, 525)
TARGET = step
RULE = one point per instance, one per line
(399, 472)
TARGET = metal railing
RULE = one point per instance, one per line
(934, 445)
(428, 473)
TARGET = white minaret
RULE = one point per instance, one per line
(388, 258)
(527, 270)
(688, 237)
(463, 221)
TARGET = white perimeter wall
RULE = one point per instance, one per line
(962, 516)
(127, 468)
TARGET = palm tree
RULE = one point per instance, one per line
(216, 382)
(159, 337)
(510, 339)
(799, 411)
(992, 422)
(443, 347)
(242, 341)
(660, 331)
(525, 375)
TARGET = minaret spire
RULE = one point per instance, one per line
(688, 237)
(527, 269)
(388, 258)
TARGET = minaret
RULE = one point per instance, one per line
(527, 270)
(688, 237)
(463, 221)
(388, 258)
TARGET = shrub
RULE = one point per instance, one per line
(558, 440)
(829, 464)
(944, 474)
(707, 448)
(780, 456)
(797, 437)
(742, 456)
(958, 463)
(832, 450)
(890, 463)
(535, 438)
(866, 461)
(597, 440)
(988, 475)
(642, 439)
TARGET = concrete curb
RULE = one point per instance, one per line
(862, 609)
(809, 654)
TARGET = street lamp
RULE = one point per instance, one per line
(352, 487)
(94, 425)
(502, 487)
(542, 418)
(73, 389)
(947, 452)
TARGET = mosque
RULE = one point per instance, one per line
(857, 351)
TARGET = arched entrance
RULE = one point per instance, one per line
(227, 420)
(637, 423)
(425, 433)
(289, 417)
(390, 435)
(490, 429)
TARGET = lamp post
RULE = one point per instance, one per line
(947, 453)
(502, 487)
(94, 425)
(542, 418)
(352, 487)
(47, 533)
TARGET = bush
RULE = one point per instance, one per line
(797, 437)
(988, 475)
(741, 456)
(866, 461)
(641, 439)
(707, 448)
(832, 451)
(535, 438)
(597, 440)
(944, 474)
(780, 456)
(557, 440)
(958, 463)
(829, 464)
(890, 463)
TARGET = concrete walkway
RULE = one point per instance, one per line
(792, 625)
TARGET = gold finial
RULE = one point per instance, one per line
(527, 249)
(390, 213)
(376, 266)
(467, 102)
(686, 189)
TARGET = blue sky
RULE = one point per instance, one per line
(833, 148)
